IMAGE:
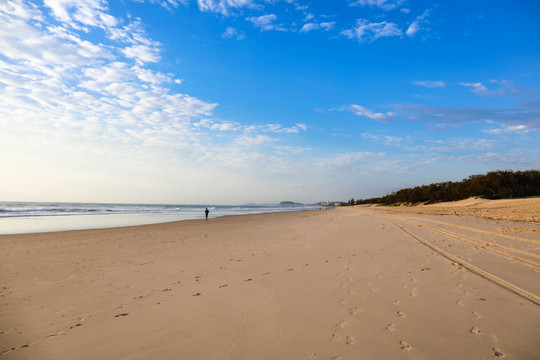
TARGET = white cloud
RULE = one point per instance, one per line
(142, 53)
(21, 10)
(68, 102)
(251, 141)
(226, 126)
(225, 7)
(418, 24)
(276, 128)
(309, 26)
(353, 161)
(510, 119)
(82, 13)
(510, 129)
(388, 140)
(266, 22)
(316, 26)
(365, 112)
(382, 4)
(365, 31)
(169, 4)
(477, 87)
(430, 83)
(231, 32)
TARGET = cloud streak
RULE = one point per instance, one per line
(381, 4)
(365, 31)
(365, 112)
(418, 25)
(430, 83)
(266, 22)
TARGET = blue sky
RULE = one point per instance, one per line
(236, 101)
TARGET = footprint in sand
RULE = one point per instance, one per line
(350, 341)
(474, 330)
(391, 327)
(336, 357)
(404, 345)
(309, 356)
(401, 315)
(342, 324)
(59, 332)
(355, 310)
(476, 315)
(336, 338)
(341, 302)
(460, 302)
(121, 315)
(396, 303)
(222, 286)
(498, 353)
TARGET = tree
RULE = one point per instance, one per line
(493, 185)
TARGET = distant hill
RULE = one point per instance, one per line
(289, 203)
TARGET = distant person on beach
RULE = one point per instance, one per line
(206, 213)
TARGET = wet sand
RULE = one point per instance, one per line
(347, 283)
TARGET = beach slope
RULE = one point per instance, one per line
(346, 283)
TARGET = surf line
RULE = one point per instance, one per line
(475, 270)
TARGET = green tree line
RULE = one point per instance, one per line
(493, 185)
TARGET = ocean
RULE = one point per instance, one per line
(32, 217)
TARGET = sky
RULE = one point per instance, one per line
(261, 101)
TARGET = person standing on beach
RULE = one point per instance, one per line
(206, 213)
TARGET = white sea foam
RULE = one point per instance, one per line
(30, 217)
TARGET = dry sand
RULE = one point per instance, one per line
(347, 283)
(527, 209)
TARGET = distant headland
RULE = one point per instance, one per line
(290, 203)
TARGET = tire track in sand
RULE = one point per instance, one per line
(475, 270)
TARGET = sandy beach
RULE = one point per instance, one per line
(345, 283)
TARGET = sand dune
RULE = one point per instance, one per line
(527, 209)
(348, 283)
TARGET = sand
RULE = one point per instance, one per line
(347, 283)
(527, 209)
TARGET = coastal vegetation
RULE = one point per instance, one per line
(493, 185)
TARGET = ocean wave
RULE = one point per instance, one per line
(27, 209)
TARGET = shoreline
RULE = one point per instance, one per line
(60, 223)
(343, 284)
